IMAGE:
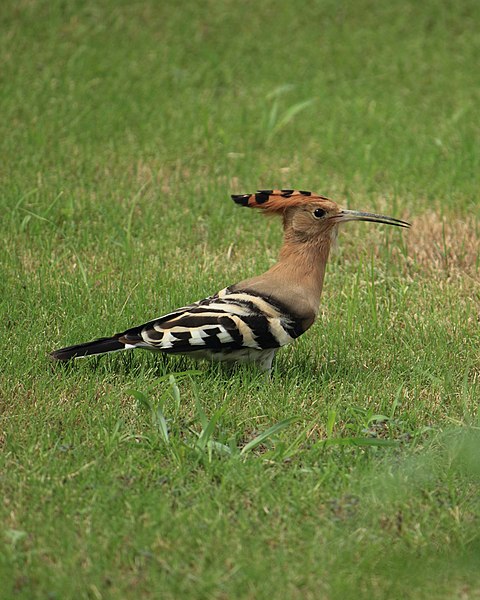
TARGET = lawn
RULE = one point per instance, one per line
(353, 471)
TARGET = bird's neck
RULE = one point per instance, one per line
(303, 264)
(296, 280)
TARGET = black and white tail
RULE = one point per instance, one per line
(100, 346)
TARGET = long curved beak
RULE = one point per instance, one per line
(356, 215)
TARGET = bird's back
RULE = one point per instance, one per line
(222, 324)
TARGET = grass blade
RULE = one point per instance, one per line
(358, 441)
(267, 434)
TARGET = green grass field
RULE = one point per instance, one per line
(354, 471)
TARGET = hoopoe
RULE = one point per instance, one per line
(251, 320)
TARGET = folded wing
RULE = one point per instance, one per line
(227, 321)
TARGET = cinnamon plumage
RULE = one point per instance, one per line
(251, 320)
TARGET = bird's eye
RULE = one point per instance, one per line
(318, 213)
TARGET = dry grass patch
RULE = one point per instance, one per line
(450, 247)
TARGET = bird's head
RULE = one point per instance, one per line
(307, 216)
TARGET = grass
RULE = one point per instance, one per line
(353, 470)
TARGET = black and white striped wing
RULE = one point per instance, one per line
(225, 322)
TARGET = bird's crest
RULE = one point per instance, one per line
(276, 200)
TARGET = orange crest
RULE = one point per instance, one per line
(276, 200)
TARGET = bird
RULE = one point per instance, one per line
(249, 321)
